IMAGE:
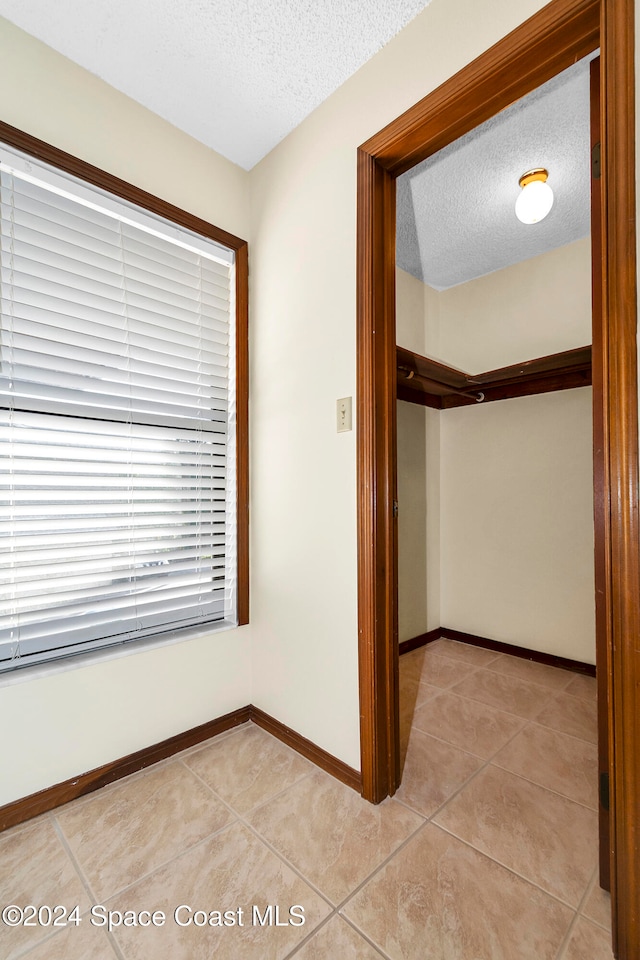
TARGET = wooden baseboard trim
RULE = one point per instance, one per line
(326, 761)
(43, 801)
(422, 640)
(38, 803)
(577, 666)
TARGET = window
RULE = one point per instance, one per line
(123, 412)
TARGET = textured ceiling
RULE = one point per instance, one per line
(455, 212)
(237, 76)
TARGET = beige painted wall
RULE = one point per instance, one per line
(517, 522)
(303, 207)
(517, 475)
(411, 330)
(418, 520)
(67, 722)
(418, 476)
(528, 310)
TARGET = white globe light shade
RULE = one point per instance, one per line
(534, 202)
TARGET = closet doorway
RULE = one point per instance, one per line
(495, 519)
(551, 41)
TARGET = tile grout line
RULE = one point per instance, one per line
(573, 736)
(337, 906)
(594, 883)
(532, 883)
(485, 763)
(288, 863)
(159, 866)
(526, 723)
(552, 695)
(80, 876)
(241, 818)
(51, 817)
(366, 937)
(165, 863)
(356, 890)
(543, 786)
(567, 938)
(304, 776)
(477, 756)
(469, 779)
(166, 762)
(334, 915)
(310, 935)
(237, 817)
(74, 860)
(452, 688)
(562, 689)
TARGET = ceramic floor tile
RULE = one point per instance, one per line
(330, 834)
(337, 941)
(248, 767)
(439, 671)
(35, 869)
(413, 693)
(426, 691)
(571, 715)
(84, 942)
(564, 764)
(141, 823)
(584, 687)
(226, 872)
(410, 664)
(588, 942)
(598, 906)
(477, 656)
(546, 676)
(438, 899)
(476, 727)
(510, 694)
(544, 837)
(432, 772)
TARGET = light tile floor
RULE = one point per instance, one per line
(487, 852)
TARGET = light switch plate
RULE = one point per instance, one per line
(343, 414)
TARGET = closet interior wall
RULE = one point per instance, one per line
(495, 523)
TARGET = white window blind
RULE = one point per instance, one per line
(117, 419)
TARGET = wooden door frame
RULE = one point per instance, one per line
(550, 41)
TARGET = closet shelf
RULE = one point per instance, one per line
(436, 385)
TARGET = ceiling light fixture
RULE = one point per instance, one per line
(536, 198)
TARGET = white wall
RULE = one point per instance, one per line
(67, 722)
(517, 522)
